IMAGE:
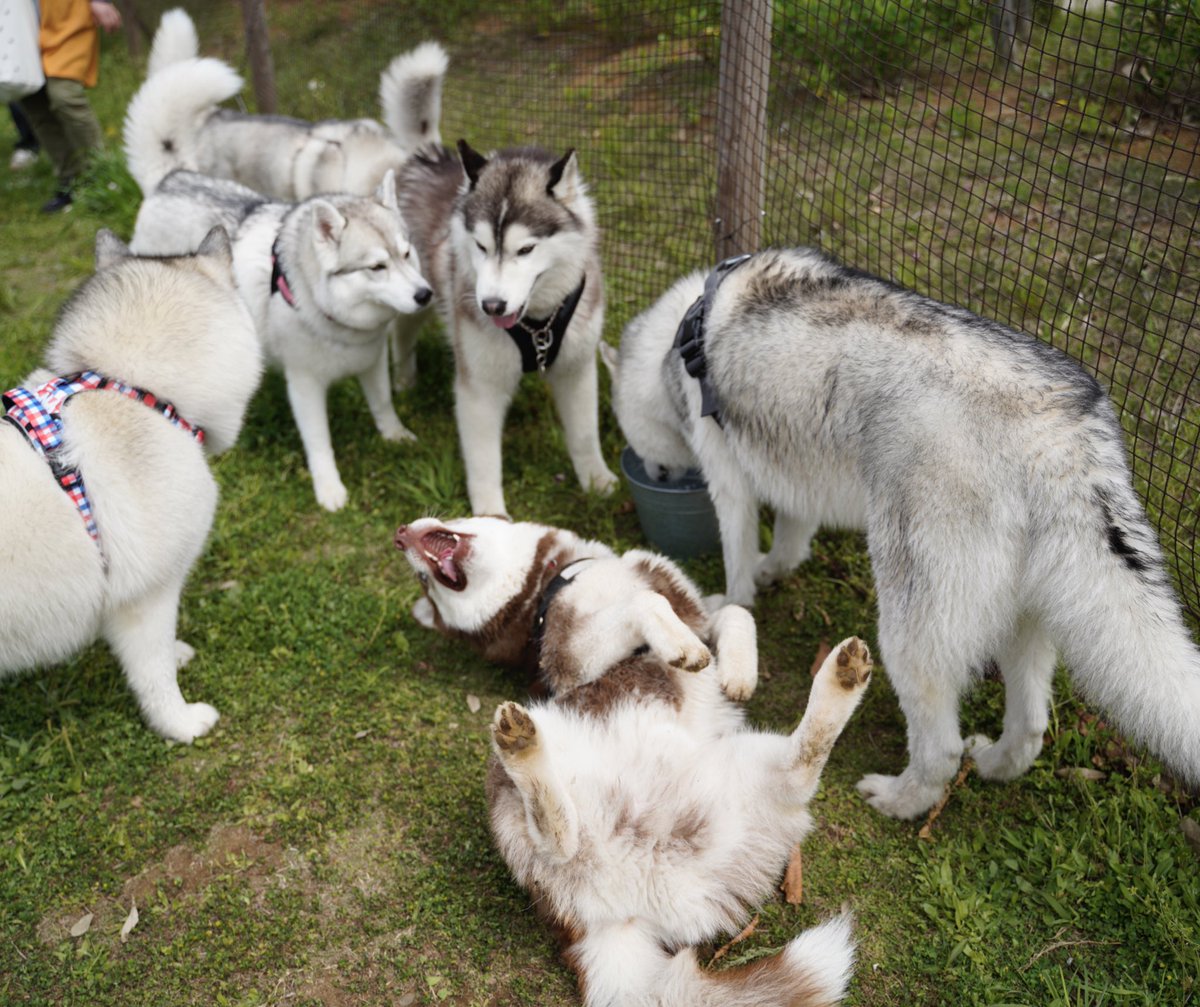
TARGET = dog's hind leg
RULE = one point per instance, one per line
(1028, 668)
(378, 393)
(549, 811)
(836, 690)
(789, 548)
(142, 636)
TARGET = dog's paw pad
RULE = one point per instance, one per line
(853, 664)
(513, 729)
(692, 659)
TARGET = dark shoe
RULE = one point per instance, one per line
(61, 201)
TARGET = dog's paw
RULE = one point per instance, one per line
(513, 730)
(773, 567)
(1002, 760)
(600, 481)
(669, 639)
(422, 611)
(896, 796)
(186, 724)
(183, 653)
(395, 431)
(331, 494)
(853, 663)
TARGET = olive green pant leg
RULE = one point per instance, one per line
(65, 125)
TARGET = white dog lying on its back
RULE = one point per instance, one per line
(636, 806)
(175, 118)
(322, 278)
(158, 360)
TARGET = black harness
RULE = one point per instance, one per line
(540, 341)
(689, 339)
(561, 580)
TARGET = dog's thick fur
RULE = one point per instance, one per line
(987, 468)
(504, 239)
(349, 269)
(176, 328)
(173, 121)
(636, 806)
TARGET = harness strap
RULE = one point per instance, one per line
(564, 577)
(689, 339)
(37, 413)
(540, 341)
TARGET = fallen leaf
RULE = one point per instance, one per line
(359, 735)
(747, 930)
(822, 653)
(131, 921)
(793, 879)
(927, 829)
(82, 925)
(473, 703)
(1079, 772)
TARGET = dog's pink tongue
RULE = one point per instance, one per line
(446, 565)
(505, 321)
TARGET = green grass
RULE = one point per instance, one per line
(327, 843)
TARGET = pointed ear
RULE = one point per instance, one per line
(472, 161)
(216, 245)
(110, 249)
(328, 223)
(610, 356)
(564, 178)
(385, 195)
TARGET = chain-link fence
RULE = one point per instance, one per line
(1035, 163)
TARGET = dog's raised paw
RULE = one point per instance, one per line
(853, 664)
(513, 729)
(692, 659)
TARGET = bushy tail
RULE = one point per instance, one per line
(174, 41)
(165, 116)
(1115, 615)
(623, 966)
(410, 96)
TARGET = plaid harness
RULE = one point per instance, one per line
(37, 413)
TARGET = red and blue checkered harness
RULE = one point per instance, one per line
(37, 413)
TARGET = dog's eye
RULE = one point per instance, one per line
(407, 254)
(481, 248)
(525, 249)
(379, 267)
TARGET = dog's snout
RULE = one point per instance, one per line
(422, 296)
(493, 306)
(401, 538)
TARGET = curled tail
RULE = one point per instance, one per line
(175, 41)
(165, 116)
(624, 966)
(410, 96)
(1122, 634)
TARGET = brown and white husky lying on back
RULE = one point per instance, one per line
(636, 806)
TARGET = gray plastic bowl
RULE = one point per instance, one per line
(677, 516)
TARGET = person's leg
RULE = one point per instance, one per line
(79, 127)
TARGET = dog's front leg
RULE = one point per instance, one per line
(575, 397)
(306, 393)
(142, 636)
(737, 515)
(378, 393)
(479, 408)
(550, 813)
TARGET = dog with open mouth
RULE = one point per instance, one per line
(635, 805)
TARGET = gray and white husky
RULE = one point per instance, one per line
(173, 121)
(106, 494)
(636, 806)
(509, 243)
(323, 279)
(987, 468)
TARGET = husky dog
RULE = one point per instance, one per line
(636, 806)
(323, 280)
(106, 495)
(987, 468)
(173, 121)
(510, 245)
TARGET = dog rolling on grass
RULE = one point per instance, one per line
(510, 244)
(987, 468)
(636, 806)
(175, 115)
(106, 494)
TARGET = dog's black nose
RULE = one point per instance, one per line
(422, 296)
(493, 306)
(400, 539)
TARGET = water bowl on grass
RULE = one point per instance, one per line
(677, 515)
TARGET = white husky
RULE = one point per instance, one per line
(510, 245)
(636, 806)
(174, 118)
(987, 468)
(323, 280)
(152, 352)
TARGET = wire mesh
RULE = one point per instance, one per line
(1035, 163)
